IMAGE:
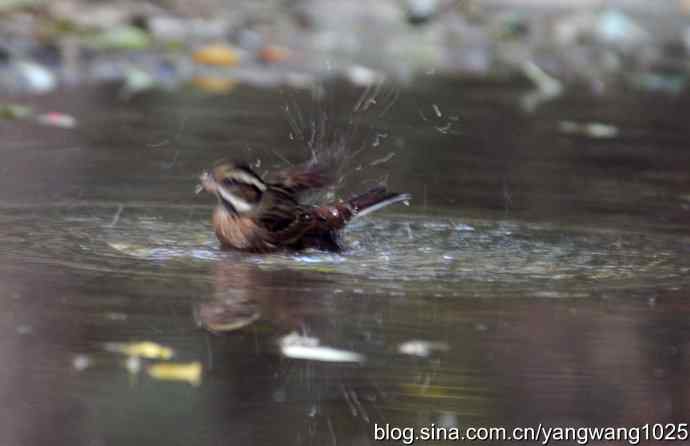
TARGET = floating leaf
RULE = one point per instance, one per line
(304, 347)
(422, 348)
(188, 372)
(145, 349)
(56, 119)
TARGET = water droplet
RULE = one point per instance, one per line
(81, 362)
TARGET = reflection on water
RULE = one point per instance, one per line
(538, 277)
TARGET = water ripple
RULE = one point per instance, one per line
(479, 258)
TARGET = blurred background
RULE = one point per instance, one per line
(597, 43)
(538, 275)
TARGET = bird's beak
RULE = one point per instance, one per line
(206, 182)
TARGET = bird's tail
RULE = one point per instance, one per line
(373, 200)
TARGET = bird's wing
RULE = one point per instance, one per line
(302, 223)
(279, 209)
(304, 178)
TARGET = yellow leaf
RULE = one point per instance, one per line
(188, 372)
(145, 349)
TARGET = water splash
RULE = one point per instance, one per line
(395, 252)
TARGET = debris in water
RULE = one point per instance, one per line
(133, 365)
(296, 346)
(548, 87)
(593, 129)
(437, 111)
(57, 119)
(187, 372)
(81, 362)
(421, 348)
(145, 349)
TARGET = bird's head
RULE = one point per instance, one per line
(237, 186)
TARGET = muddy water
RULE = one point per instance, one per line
(540, 275)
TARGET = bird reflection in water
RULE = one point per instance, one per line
(277, 334)
(243, 294)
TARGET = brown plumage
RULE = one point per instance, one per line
(257, 216)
